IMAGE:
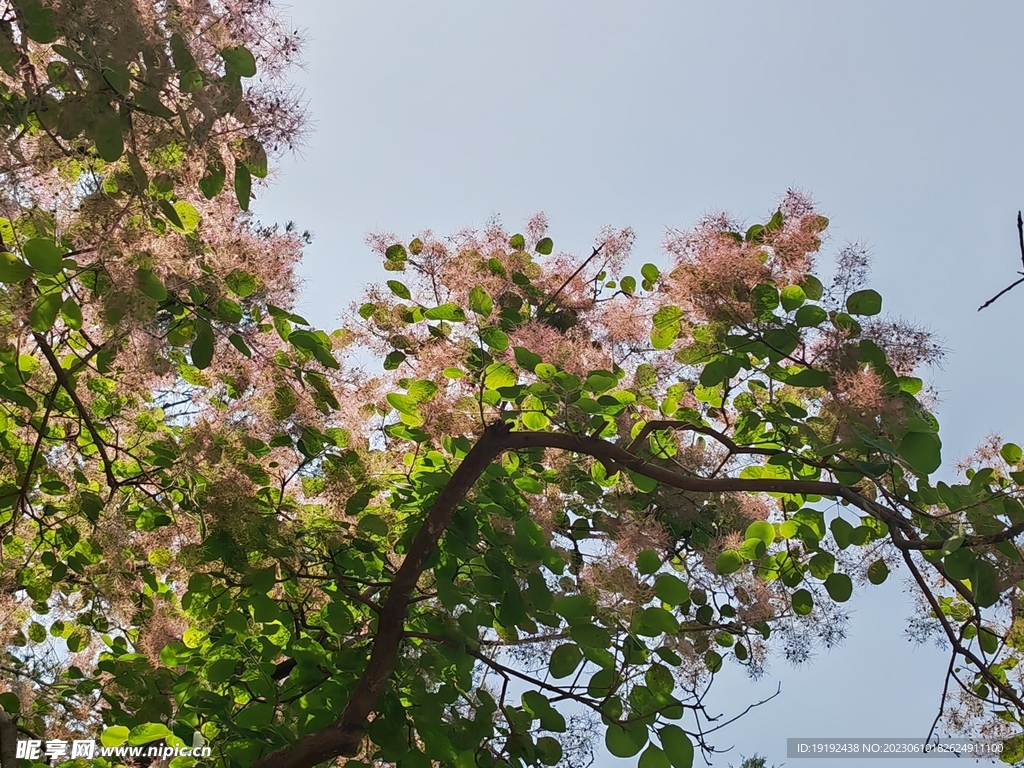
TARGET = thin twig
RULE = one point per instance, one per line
(1007, 289)
(568, 280)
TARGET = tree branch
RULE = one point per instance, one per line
(8, 741)
(1011, 286)
(344, 736)
(83, 412)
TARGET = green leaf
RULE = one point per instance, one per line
(574, 607)
(240, 283)
(450, 312)
(988, 641)
(213, 181)
(821, 565)
(590, 636)
(728, 562)
(499, 375)
(621, 742)
(911, 384)
(792, 296)
(229, 310)
(812, 286)
(803, 602)
(810, 315)
(171, 213)
(878, 572)
(545, 371)
(117, 77)
(643, 483)
(253, 156)
(13, 269)
(808, 378)
(150, 285)
(147, 732)
(518, 242)
(495, 338)
(764, 298)
(670, 589)
(399, 289)
(761, 530)
(114, 736)
(526, 359)
(1011, 453)
(549, 750)
(922, 451)
(648, 561)
(202, 347)
(841, 531)
(653, 757)
(44, 312)
(545, 246)
(677, 746)
(650, 272)
(839, 587)
(72, 314)
(628, 285)
(867, 302)
(564, 660)
(666, 327)
(243, 185)
(480, 301)
(188, 217)
(38, 21)
(403, 403)
(10, 703)
(240, 61)
(44, 255)
(985, 583)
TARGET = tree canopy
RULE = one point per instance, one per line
(519, 498)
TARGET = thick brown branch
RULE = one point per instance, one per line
(958, 647)
(613, 454)
(8, 741)
(344, 736)
(725, 440)
(969, 541)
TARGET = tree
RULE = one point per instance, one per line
(557, 490)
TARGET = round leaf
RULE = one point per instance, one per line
(564, 660)
(867, 302)
(803, 602)
(792, 296)
(1011, 453)
(878, 572)
(622, 743)
(648, 561)
(761, 530)
(44, 255)
(670, 589)
(677, 745)
(653, 757)
(839, 587)
(922, 451)
(728, 562)
(240, 60)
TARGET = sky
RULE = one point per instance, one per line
(903, 120)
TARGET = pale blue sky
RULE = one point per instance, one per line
(904, 120)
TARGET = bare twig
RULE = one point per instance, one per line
(1011, 286)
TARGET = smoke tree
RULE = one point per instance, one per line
(556, 501)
